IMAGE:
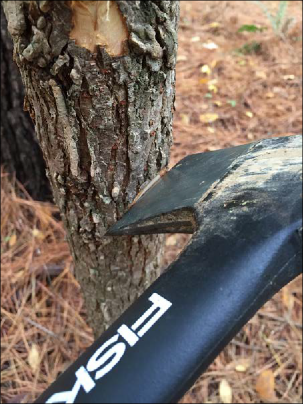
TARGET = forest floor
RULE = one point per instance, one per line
(232, 88)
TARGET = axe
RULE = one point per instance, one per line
(244, 207)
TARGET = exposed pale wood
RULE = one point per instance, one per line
(99, 23)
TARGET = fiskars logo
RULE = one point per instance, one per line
(113, 349)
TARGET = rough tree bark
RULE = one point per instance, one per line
(99, 79)
(20, 152)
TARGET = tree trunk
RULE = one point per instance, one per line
(99, 79)
(20, 152)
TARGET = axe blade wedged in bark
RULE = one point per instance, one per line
(175, 203)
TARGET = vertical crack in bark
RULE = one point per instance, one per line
(126, 178)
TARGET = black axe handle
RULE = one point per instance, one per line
(247, 245)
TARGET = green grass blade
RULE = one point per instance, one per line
(281, 13)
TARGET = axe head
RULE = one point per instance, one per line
(169, 205)
(265, 171)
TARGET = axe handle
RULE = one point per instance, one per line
(156, 350)
(247, 246)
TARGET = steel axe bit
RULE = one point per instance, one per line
(244, 206)
(238, 181)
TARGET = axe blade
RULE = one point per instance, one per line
(169, 205)
(174, 203)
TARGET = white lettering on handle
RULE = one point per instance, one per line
(130, 337)
(159, 303)
(115, 352)
(96, 361)
(83, 380)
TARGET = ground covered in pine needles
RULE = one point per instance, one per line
(232, 88)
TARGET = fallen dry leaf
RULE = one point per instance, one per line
(213, 88)
(208, 118)
(289, 77)
(12, 240)
(225, 392)
(34, 358)
(214, 24)
(240, 368)
(261, 74)
(181, 58)
(185, 119)
(240, 365)
(210, 45)
(243, 365)
(38, 234)
(214, 63)
(265, 386)
(205, 69)
(195, 39)
(203, 81)
(249, 114)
